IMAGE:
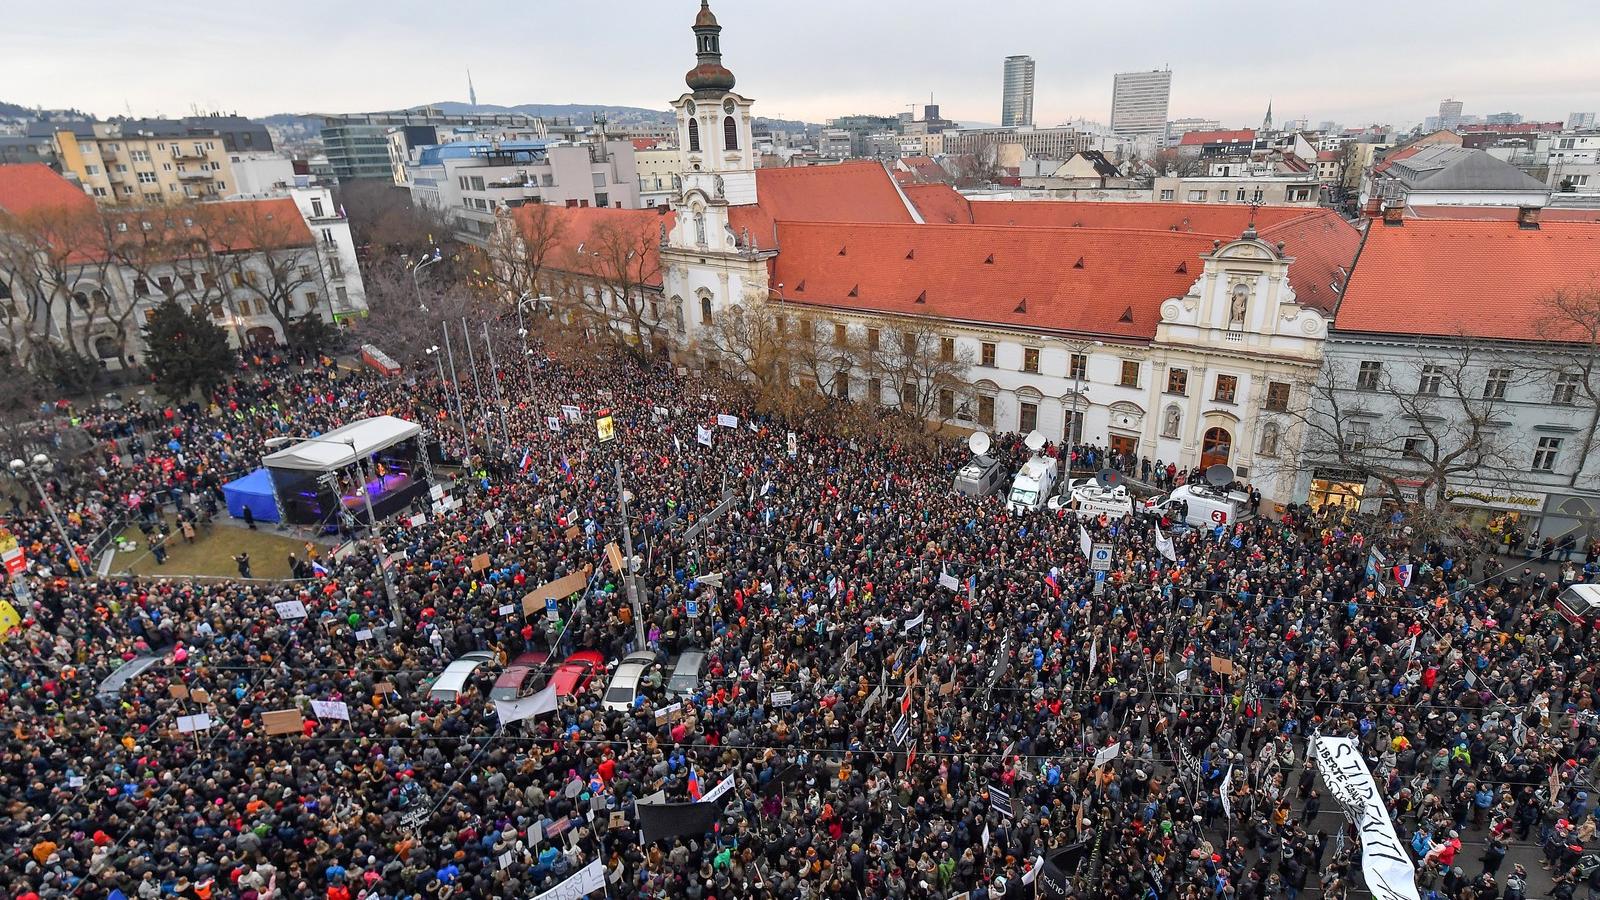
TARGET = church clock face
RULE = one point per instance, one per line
(691, 107)
(728, 107)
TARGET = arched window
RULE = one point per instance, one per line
(677, 312)
(705, 309)
(1269, 439)
(730, 133)
(694, 136)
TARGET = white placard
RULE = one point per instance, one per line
(364, 634)
(489, 519)
(1107, 754)
(526, 707)
(330, 709)
(436, 492)
(782, 698)
(914, 623)
(290, 609)
(572, 413)
(553, 423)
(723, 786)
(1385, 862)
(75, 781)
(507, 609)
(200, 722)
(946, 580)
(588, 879)
(727, 421)
(703, 435)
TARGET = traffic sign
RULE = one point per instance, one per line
(551, 609)
(692, 607)
(1100, 558)
(1099, 583)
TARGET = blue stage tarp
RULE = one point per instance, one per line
(255, 491)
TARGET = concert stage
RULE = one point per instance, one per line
(329, 480)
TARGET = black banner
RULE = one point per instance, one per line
(660, 821)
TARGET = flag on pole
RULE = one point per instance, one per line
(527, 459)
(1227, 793)
(1094, 652)
(1084, 542)
(566, 467)
(1164, 544)
(1402, 575)
(694, 785)
(1050, 582)
(319, 570)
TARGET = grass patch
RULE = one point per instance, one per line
(212, 554)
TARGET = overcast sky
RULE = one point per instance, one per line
(1355, 62)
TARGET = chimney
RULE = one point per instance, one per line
(1394, 215)
(1528, 217)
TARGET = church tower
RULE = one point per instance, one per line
(719, 168)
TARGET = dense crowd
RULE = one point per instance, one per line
(907, 687)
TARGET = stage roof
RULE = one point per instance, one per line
(333, 450)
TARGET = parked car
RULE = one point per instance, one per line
(686, 673)
(526, 674)
(576, 671)
(625, 679)
(453, 680)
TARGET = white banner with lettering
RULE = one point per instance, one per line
(1388, 868)
(584, 882)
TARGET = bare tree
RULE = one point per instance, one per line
(1174, 162)
(60, 284)
(824, 353)
(753, 341)
(978, 169)
(403, 328)
(919, 363)
(384, 221)
(165, 252)
(1415, 428)
(270, 254)
(513, 262)
(1572, 318)
(622, 257)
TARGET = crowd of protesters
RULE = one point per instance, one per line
(907, 687)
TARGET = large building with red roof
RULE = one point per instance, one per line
(1461, 369)
(1169, 332)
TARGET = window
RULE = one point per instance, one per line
(602, 199)
(1429, 380)
(1494, 386)
(1240, 196)
(841, 383)
(1368, 375)
(947, 403)
(1078, 367)
(147, 178)
(986, 410)
(730, 133)
(1415, 448)
(987, 354)
(311, 300)
(1257, 196)
(1030, 359)
(1566, 392)
(208, 279)
(1027, 416)
(705, 310)
(873, 337)
(1227, 388)
(316, 207)
(1178, 382)
(874, 390)
(1167, 194)
(947, 349)
(1355, 436)
(141, 288)
(1130, 374)
(344, 296)
(694, 136)
(599, 179)
(1544, 455)
(840, 333)
(166, 283)
(908, 394)
(139, 155)
(1197, 196)
(477, 182)
(1269, 439)
(1277, 396)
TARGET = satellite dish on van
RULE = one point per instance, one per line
(1219, 475)
(1034, 441)
(1108, 479)
(978, 443)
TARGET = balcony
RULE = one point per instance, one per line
(182, 153)
(191, 175)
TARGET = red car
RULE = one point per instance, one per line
(527, 670)
(576, 671)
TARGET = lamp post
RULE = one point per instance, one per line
(416, 271)
(445, 387)
(1078, 348)
(41, 463)
(372, 519)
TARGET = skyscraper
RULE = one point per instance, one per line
(1139, 103)
(1017, 106)
(1449, 113)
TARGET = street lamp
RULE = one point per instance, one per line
(372, 519)
(438, 357)
(41, 463)
(416, 271)
(1078, 348)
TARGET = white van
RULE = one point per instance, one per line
(1208, 507)
(1087, 498)
(1032, 487)
(1580, 604)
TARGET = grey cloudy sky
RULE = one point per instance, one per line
(1355, 62)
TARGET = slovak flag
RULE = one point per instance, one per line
(527, 459)
(1050, 580)
(566, 468)
(319, 570)
(1402, 575)
(694, 785)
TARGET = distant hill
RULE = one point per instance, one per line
(18, 111)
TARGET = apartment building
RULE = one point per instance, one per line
(122, 165)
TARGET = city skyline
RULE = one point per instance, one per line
(775, 57)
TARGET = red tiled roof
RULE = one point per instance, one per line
(1327, 156)
(584, 226)
(848, 192)
(1324, 248)
(940, 204)
(1455, 277)
(1218, 219)
(1062, 279)
(26, 187)
(1197, 138)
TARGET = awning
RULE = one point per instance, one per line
(343, 446)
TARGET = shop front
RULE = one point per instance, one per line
(1338, 488)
